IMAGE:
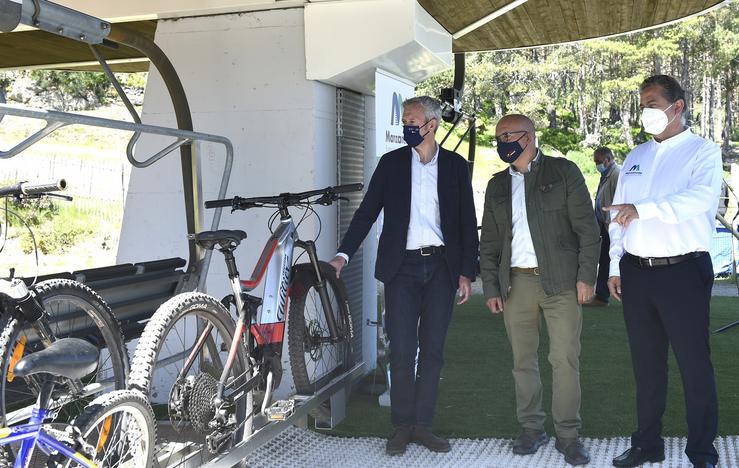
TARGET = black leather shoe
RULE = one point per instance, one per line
(704, 465)
(422, 435)
(574, 451)
(635, 456)
(529, 441)
(398, 441)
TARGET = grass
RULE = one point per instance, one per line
(477, 395)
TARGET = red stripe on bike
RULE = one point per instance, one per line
(260, 268)
(267, 333)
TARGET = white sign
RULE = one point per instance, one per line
(390, 92)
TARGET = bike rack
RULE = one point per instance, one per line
(55, 120)
(336, 392)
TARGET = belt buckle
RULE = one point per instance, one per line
(430, 251)
(649, 260)
(536, 271)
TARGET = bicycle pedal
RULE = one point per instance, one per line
(280, 410)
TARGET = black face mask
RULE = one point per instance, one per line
(412, 134)
(509, 151)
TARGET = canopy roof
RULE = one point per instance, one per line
(476, 25)
(39, 49)
(544, 22)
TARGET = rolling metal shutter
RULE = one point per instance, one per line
(350, 133)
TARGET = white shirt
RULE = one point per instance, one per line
(424, 227)
(675, 186)
(522, 247)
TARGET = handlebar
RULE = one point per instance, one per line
(284, 200)
(24, 188)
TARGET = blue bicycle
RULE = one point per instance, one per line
(116, 429)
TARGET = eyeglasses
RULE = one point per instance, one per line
(506, 137)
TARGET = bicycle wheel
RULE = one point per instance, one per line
(120, 427)
(187, 401)
(73, 310)
(314, 360)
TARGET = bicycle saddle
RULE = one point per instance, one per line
(69, 357)
(222, 237)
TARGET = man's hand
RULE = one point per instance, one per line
(338, 263)
(584, 292)
(614, 287)
(495, 304)
(465, 289)
(626, 213)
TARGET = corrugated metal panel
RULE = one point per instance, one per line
(350, 129)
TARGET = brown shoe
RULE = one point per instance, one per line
(399, 440)
(595, 302)
(422, 435)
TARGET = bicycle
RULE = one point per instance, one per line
(114, 430)
(33, 316)
(216, 375)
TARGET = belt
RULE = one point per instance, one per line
(528, 271)
(649, 262)
(426, 251)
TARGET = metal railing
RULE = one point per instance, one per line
(56, 120)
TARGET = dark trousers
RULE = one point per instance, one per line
(604, 265)
(670, 305)
(418, 302)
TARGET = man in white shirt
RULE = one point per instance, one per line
(427, 251)
(662, 221)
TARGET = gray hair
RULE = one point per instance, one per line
(431, 106)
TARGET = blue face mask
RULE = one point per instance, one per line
(412, 134)
(601, 168)
(509, 151)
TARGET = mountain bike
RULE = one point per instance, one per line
(115, 430)
(212, 376)
(33, 316)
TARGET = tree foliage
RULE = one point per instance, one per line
(586, 94)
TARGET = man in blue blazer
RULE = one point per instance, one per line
(427, 251)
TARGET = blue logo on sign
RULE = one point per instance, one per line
(397, 109)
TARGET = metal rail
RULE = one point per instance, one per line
(56, 120)
(66, 22)
(303, 406)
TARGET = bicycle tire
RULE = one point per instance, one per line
(118, 433)
(156, 337)
(62, 299)
(305, 328)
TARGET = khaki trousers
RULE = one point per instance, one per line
(526, 304)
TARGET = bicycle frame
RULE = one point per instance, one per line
(32, 435)
(268, 327)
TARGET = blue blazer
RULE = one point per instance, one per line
(390, 189)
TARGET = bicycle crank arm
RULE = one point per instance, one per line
(245, 388)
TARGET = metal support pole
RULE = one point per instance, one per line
(193, 214)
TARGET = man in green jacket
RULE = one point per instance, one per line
(538, 256)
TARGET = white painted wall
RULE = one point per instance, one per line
(244, 75)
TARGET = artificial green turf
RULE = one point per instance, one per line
(476, 396)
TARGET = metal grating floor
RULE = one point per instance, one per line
(303, 448)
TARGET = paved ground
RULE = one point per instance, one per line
(303, 448)
(725, 288)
